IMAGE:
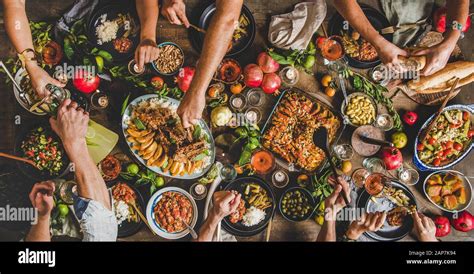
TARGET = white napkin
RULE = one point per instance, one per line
(294, 30)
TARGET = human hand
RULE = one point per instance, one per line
(190, 109)
(436, 58)
(335, 202)
(175, 12)
(145, 53)
(368, 222)
(70, 124)
(41, 197)
(425, 228)
(388, 54)
(225, 203)
(40, 78)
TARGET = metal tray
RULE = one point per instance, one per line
(314, 98)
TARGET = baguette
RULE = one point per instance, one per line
(459, 69)
(447, 85)
(413, 63)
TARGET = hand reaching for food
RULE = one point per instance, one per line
(225, 203)
(425, 228)
(40, 78)
(368, 222)
(436, 58)
(70, 124)
(388, 54)
(190, 109)
(145, 53)
(175, 12)
(335, 202)
(41, 197)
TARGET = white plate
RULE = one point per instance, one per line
(151, 217)
(173, 103)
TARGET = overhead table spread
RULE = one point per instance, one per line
(282, 230)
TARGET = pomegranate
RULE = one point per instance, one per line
(464, 222)
(184, 78)
(271, 83)
(392, 157)
(440, 20)
(52, 53)
(85, 81)
(267, 63)
(253, 76)
(443, 228)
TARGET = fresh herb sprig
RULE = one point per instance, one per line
(304, 59)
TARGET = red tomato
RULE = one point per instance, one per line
(457, 146)
(440, 153)
(420, 147)
(449, 144)
(470, 133)
(437, 162)
(448, 151)
(431, 141)
(465, 115)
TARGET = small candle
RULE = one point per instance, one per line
(200, 189)
(237, 102)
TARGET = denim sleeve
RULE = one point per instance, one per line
(97, 222)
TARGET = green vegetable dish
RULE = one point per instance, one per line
(44, 150)
(448, 138)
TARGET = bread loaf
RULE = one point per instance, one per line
(412, 63)
(439, 80)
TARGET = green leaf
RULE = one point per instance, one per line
(139, 124)
(197, 132)
(125, 104)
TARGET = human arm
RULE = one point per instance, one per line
(19, 32)
(438, 55)
(224, 203)
(71, 126)
(352, 12)
(147, 51)
(333, 204)
(218, 37)
(41, 197)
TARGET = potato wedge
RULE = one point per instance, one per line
(147, 156)
(146, 145)
(146, 138)
(137, 133)
(161, 161)
(131, 139)
(158, 151)
(151, 148)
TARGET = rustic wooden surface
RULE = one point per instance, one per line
(262, 10)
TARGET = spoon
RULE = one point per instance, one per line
(321, 140)
(190, 229)
(18, 159)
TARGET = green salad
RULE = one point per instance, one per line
(44, 150)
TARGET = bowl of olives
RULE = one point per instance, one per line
(296, 204)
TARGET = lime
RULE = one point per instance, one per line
(133, 168)
(63, 210)
(159, 181)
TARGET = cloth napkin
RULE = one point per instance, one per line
(294, 30)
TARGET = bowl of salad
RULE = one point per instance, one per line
(448, 142)
(41, 145)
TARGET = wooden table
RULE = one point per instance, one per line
(262, 10)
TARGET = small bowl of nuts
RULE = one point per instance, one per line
(359, 109)
(170, 59)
